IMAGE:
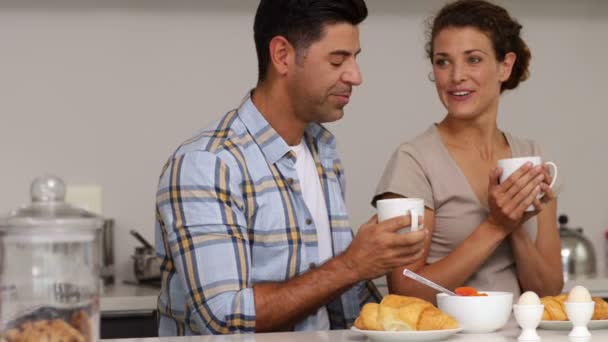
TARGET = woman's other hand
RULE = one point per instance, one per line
(508, 201)
(545, 188)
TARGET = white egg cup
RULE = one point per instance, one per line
(528, 317)
(579, 314)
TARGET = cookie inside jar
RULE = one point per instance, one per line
(49, 324)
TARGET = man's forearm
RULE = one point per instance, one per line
(279, 306)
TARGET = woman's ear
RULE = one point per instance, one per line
(506, 66)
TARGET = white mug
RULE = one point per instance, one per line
(510, 165)
(393, 207)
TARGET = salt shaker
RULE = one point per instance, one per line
(528, 317)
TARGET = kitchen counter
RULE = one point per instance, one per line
(133, 298)
(597, 286)
(123, 298)
(121, 301)
(509, 333)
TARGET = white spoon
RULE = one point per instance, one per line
(427, 282)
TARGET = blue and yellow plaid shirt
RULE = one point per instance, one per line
(230, 215)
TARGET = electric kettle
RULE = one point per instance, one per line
(578, 254)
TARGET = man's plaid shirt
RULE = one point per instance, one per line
(230, 214)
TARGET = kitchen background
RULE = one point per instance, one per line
(101, 92)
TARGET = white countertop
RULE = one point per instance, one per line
(597, 286)
(128, 298)
(131, 298)
(509, 333)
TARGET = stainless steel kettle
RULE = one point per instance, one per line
(146, 265)
(578, 254)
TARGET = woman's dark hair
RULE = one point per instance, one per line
(502, 30)
(301, 22)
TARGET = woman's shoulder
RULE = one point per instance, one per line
(522, 146)
(423, 143)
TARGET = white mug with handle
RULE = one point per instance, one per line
(510, 165)
(393, 207)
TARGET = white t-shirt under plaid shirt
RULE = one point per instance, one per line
(315, 203)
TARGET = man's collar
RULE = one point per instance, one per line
(272, 144)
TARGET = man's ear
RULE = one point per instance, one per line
(506, 66)
(282, 54)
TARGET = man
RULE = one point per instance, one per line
(251, 212)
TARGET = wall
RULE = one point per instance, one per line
(101, 92)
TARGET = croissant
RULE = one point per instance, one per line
(601, 309)
(555, 309)
(397, 313)
(368, 317)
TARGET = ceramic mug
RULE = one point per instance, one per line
(510, 165)
(393, 207)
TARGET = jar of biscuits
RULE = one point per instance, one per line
(49, 269)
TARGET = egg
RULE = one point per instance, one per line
(579, 294)
(529, 298)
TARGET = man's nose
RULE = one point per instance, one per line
(353, 75)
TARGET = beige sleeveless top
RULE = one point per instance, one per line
(424, 168)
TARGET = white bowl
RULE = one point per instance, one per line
(481, 314)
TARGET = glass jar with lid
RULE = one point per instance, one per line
(49, 269)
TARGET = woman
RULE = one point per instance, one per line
(480, 234)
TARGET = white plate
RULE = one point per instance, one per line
(566, 325)
(389, 336)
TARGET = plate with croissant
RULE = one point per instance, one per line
(555, 318)
(400, 318)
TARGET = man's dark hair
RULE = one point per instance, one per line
(301, 22)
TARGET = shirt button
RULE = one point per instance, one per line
(290, 181)
(312, 265)
(308, 221)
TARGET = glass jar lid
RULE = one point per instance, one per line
(49, 212)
